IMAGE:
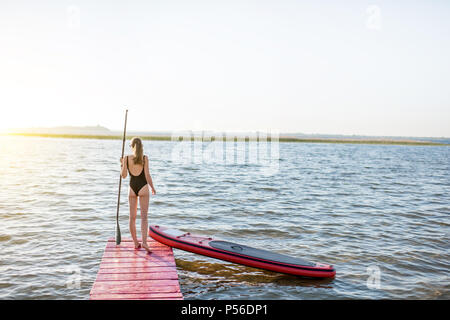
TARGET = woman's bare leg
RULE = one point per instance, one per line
(133, 200)
(144, 198)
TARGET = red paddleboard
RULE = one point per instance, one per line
(240, 254)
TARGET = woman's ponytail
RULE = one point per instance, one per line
(138, 149)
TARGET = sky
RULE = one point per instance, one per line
(318, 67)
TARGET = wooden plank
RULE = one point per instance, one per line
(130, 246)
(129, 273)
(144, 255)
(139, 296)
(120, 297)
(110, 289)
(136, 270)
(172, 275)
(125, 249)
(125, 259)
(144, 286)
(129, 241)
(160, 261)
(137, 264)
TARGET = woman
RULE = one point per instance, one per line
(140, 179)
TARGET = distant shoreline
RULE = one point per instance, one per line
(281, 139)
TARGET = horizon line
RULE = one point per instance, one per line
(242, 131)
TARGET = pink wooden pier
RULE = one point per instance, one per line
(129, 274)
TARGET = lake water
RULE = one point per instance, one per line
(378, 213)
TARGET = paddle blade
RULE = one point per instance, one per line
(118, 235)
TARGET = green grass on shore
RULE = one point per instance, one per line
(281, 139)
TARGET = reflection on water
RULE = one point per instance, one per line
(354, 206)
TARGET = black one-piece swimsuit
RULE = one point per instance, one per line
(137, 182)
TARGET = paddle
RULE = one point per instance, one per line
(118, 236)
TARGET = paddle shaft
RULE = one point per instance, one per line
(118, 235)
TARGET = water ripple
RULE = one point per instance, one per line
(353, 206)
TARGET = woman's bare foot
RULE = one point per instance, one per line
(145, 246)
(137, 246)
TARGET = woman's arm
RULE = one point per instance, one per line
(149, 177)
(124, 168)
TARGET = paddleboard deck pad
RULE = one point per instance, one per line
(241, 254)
